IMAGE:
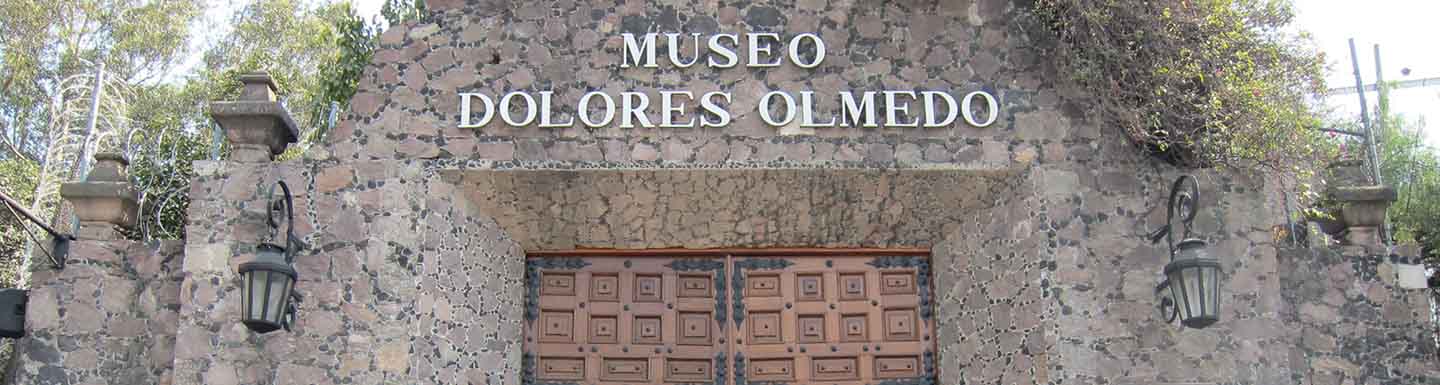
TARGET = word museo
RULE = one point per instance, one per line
(888, 108)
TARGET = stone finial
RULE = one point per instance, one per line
(258, 86)
(109, 167)
(105, 199)
(257, 126)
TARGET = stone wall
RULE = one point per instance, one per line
(403, 281)
(1110, 331)
(108, 317)
(995, 313)
(1350, 321)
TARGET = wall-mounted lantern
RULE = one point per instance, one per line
(268, 297)
(1191, 289)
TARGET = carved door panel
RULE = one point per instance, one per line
(728, 320)
(623, 321)
(833, 320)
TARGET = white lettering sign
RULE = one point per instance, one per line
(681, 108)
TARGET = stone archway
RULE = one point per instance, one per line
(985, 229)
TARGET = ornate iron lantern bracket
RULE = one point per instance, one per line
(1190, 290)
(285, 203)
(268, 297)
(1184, 197)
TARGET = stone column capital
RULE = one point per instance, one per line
(1363, 210)
(105, 200)
(257, 126)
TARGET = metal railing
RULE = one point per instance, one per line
(59, 242)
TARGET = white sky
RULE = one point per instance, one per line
(368, 9)
(1406, 31)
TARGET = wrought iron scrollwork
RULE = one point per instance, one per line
(532, 279)
(737, 282)
(922, 275)
(1184, 200)
(717, 272)
(162, 195)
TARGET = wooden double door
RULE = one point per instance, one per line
(729, 318)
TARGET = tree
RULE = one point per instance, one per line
(44, 43)
(316, 54)
(1194, 82)
(315, 51)
(49, 53)
(1413, 170)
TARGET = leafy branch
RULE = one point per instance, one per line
(1197, 83)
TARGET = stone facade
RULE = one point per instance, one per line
(416, 229)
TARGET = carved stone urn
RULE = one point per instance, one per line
(106, 197)
(1361, 202)
(1362, 208)
(1347, 172)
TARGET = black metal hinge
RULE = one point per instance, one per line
(737, 281)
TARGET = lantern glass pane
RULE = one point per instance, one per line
(1191, 282)
(275, 301)
(1177, 292)
(258, 278)
(246, 294)
(1212, 296)
(1204, 302)
(289, 287)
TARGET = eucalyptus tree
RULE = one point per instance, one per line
(51, 53)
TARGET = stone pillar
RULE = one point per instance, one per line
(257, 126)
(107, 315)
(105, 201)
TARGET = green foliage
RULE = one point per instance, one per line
(285, 38)
(316, 55)
(17, 179)
(355, 40)
(315, 51)
(1413, 170)
(400, 11)
(174, 133)
(43, 43)
(1195, 82)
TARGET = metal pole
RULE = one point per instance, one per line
(217, 139)
(5, 199)
(1364, 115)
(1412, 83)
(1382, 113)
(91, 120)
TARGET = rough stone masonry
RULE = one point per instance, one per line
(418, 228)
